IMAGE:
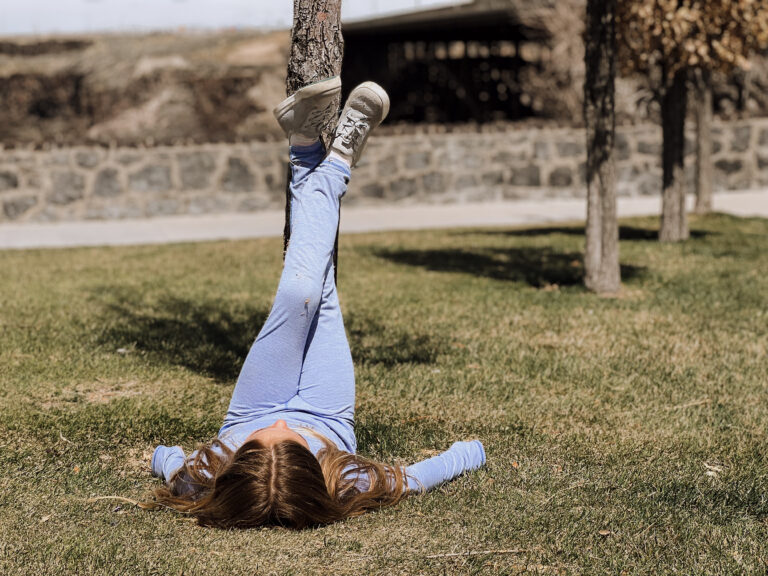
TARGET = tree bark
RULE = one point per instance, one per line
(674, 220)
(601, 259)
(703, 143)
(317, 50)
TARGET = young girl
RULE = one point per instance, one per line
(286, 452)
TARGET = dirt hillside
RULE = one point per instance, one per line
(141, 89)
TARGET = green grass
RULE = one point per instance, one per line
(624, 435)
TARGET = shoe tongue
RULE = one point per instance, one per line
(356, 115)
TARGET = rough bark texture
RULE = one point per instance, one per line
(703, 143)
(674, 221)
(317, 49)
(602, 250)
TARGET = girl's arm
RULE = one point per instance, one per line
(166, 460)
(459, 458)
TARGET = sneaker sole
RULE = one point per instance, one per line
(379, 92)
(321, 88)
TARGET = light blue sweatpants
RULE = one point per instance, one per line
(302, 349)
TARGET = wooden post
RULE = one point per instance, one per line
(317, 50)
(601, 258)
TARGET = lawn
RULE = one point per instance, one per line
(624, 435)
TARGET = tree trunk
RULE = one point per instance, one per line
(674, 221)
(703, 143)
(317, 49)
(601, 259)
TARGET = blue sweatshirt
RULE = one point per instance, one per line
(422, 476)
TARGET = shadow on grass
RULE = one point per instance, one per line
(210, 338)
(213, 338)
(374, 343)
(537, 267)
(627, 233)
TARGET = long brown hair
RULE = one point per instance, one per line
(282, 485)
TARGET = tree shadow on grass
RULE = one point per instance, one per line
(210, 338)
(213, 338)
(626, 233)
(537, 267)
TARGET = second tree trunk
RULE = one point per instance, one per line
(601, 259)
(674, 221)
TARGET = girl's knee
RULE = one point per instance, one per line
(300, 292)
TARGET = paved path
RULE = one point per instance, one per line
(235, 226)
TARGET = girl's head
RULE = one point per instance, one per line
(278, 482)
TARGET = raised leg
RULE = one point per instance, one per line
(327, 376)
(272, 371)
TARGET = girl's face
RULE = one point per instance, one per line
(278, 432)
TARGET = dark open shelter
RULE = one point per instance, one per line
(449, 65)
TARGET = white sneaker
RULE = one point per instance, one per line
(306, 112)
(366, 107)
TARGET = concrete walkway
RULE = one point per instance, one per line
(414, 217)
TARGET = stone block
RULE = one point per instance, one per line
(717, 146)
(163, 207)
(689, 147)
(648, 184)
(465, 181)
(372, 190)
(238, 176)
(17, 207)
(111, 210)
(507, 157)
(128, 158)
(387, 166)
(8, 181)
(58, 158)
(67, 187)
(88, 158)
(403, 188)
(107, 184)
(582, 171)
(195, 169)
(763, 141)
(493, 178)
(152, 178)
(741, 136)
(729, 167)
(561, 177)
(529, 175)
(266, 158)
(470, 160)
(206, 204)
(418, 160)
(542, 151)
(623, 151)
(650, 147)
(571, 149)
(254, 203)
(275, 183)
(434, 182)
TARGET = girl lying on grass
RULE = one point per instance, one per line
(286, 453)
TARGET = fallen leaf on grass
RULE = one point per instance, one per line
(605, 532)
(713, 470)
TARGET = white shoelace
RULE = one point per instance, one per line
(352, 131)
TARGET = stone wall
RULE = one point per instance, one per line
(101, 183)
